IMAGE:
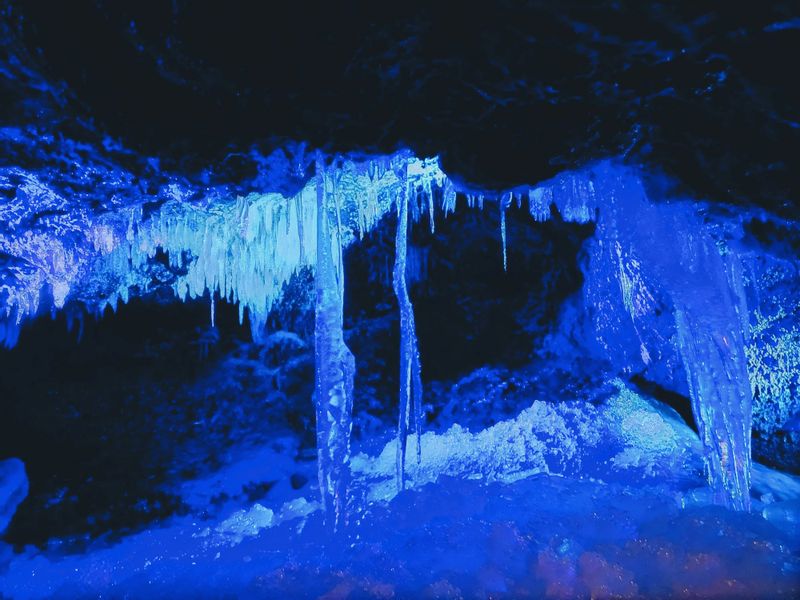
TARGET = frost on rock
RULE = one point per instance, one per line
(13, 489)
(651, 436)
(253, 521)
(773, 353)
(627, 432)
(245, 523)
(541, 439)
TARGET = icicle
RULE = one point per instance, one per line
(673, 245)
(448, 198)
(503, 232)
(288, 213)
(539, 203)
(711, 340)
(429, 196)
(213, 322)
(334, 366)
(339, 233)
(410, 371)
(722, 407)
(298, 207)
(9, 332)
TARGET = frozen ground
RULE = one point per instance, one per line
(564, 500)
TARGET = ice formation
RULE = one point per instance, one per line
(410, 369)
(334, 364)
(649, 259)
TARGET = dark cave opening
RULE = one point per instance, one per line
(109, 414)
(99, 422)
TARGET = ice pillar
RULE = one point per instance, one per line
(676, 252)
(334, 363)
(410, 371)
(711, 335)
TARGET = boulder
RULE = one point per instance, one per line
(13, 489)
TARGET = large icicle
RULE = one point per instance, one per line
(712, 329)
(334, 363)
(410, 371)
(503, 231)
(675, 249)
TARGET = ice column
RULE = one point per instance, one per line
(703, 280)
(410, 371)
(503, 234)
(334, 363)
(711, 340)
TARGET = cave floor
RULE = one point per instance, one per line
(541, 536)
(525, 535)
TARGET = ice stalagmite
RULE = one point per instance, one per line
(334, 363)
(410, 375)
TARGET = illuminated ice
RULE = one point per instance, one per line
(660, 254)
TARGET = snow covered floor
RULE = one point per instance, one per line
(564, 500)
(541, 536)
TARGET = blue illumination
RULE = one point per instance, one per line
(635, 434)
(671, 290)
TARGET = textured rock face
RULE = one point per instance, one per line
(13, 489)
(506, 94)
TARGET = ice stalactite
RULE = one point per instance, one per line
(410, 369)
(665, 250)
(9, 331)
(334, 363)
(503, 233)
(712, 331)
(247, 248)
(428, 193)
(213, 309)
(667, 245)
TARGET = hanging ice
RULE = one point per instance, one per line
(334, 365)
(503, 232)
(410, 371)
(667, 245)
(247, 248)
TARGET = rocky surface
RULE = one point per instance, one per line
(13, 489)
(508, 94)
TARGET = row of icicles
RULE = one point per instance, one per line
(246, 250)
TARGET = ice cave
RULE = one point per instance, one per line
(426, 300)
